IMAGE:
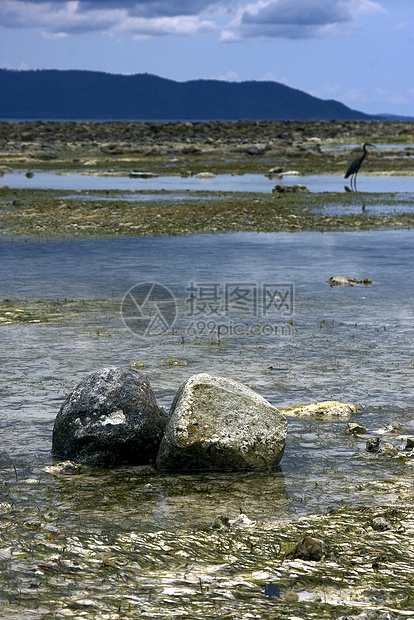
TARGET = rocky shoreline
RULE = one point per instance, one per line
(143, 150)
(55, 144)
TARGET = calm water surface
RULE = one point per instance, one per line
(222, 183)
(349, 344)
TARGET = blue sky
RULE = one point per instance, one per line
(359, 52)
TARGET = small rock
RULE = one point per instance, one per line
(309, 548)
(137, 365)
(392, 429)
(388, 449)
(379, 524)
(291, 596)
(221, 522)
(321, 410)
(242, 521)
(372, 444)
(64, 467)
(355, 429)
(191, 150)
(345, 281)
(290, 189)
(205, 175)
(255, 150)
(275, 173)
(272, 590)
(410, 443)
(142, 175)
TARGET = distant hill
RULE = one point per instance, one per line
(90, 95)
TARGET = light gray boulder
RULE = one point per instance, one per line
(217, 424)
(110, 418)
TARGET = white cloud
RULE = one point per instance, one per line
(291, 19)
(56, 18)
(185, 25)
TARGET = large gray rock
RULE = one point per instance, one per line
(219, 424)
(110, 418)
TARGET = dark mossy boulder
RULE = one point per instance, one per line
(110, 418)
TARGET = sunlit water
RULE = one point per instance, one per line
(351, 344)
(222, 182)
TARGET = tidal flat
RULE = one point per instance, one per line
(274, 149)
(132, 542)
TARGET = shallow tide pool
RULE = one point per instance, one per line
(352, 344)
(219, 183)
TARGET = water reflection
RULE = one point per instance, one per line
(130, 499)
(219, 183)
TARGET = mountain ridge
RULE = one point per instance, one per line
(53, 94)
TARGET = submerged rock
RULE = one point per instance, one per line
(310, 549)
(355, 429)
(64, 467)
(384, 448)
(372, 444)
(392, 429)
(272, 590)
(380, 524)
(410, 443)
(324, 410)
(110, 418)
(388, 449)
(219, 424)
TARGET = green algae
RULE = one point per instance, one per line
(53, 214)
(76, 556)
(20, 311)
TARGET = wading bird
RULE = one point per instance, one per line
(355, 166)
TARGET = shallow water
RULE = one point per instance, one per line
(223, 182)
(83, 545)
(351, 344)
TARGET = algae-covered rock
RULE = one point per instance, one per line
(219, 424)
(324, 410)
(110, 418)
(354, 428)
(310, 549)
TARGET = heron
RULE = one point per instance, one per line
(355, 166)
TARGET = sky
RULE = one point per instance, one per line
(359, 52)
